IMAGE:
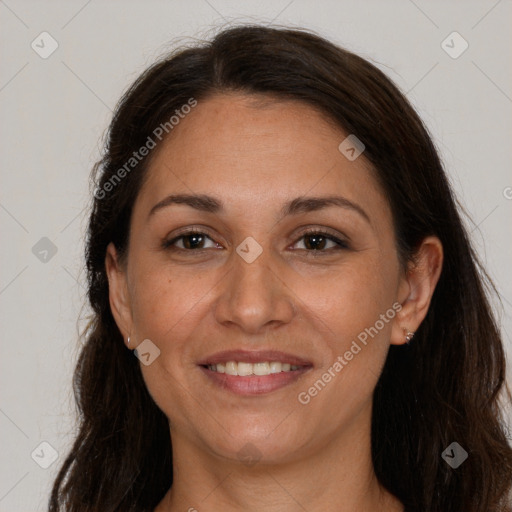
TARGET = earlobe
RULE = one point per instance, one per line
(416, 290)
(118, 292)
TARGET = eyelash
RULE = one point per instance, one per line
(169, 244)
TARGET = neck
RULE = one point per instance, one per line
(338, 476)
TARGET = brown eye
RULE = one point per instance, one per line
(316, 242)
(190, 241)
(321, 242)
(194, 241)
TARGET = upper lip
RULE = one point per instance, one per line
(254, 356)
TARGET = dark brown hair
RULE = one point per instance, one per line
(442, 387)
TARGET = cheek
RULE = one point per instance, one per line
(167, 307)
(350, 298)
(163, 300)
(354, 308)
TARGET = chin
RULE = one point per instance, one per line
(267, 442)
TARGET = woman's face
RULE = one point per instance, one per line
(281, 274)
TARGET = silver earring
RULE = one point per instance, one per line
(128, 340)
(408, 335)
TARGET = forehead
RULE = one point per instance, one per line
(253, 148)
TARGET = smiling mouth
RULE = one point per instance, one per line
(250, 372)
(244, 369)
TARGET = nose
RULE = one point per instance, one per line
(254, 296)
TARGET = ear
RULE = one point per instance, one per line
(416, 289)
(118, 292)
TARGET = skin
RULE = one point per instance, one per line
(254, 155)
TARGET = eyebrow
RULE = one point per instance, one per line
(296, 206)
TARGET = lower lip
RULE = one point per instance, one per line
(253, 384)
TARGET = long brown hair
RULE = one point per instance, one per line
(441, 388)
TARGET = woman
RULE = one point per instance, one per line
(273, 232)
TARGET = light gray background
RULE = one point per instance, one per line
(55, 110)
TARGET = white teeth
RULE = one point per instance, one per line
(231, 368)
(261, 368)
(275, 367)
(245, 369)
